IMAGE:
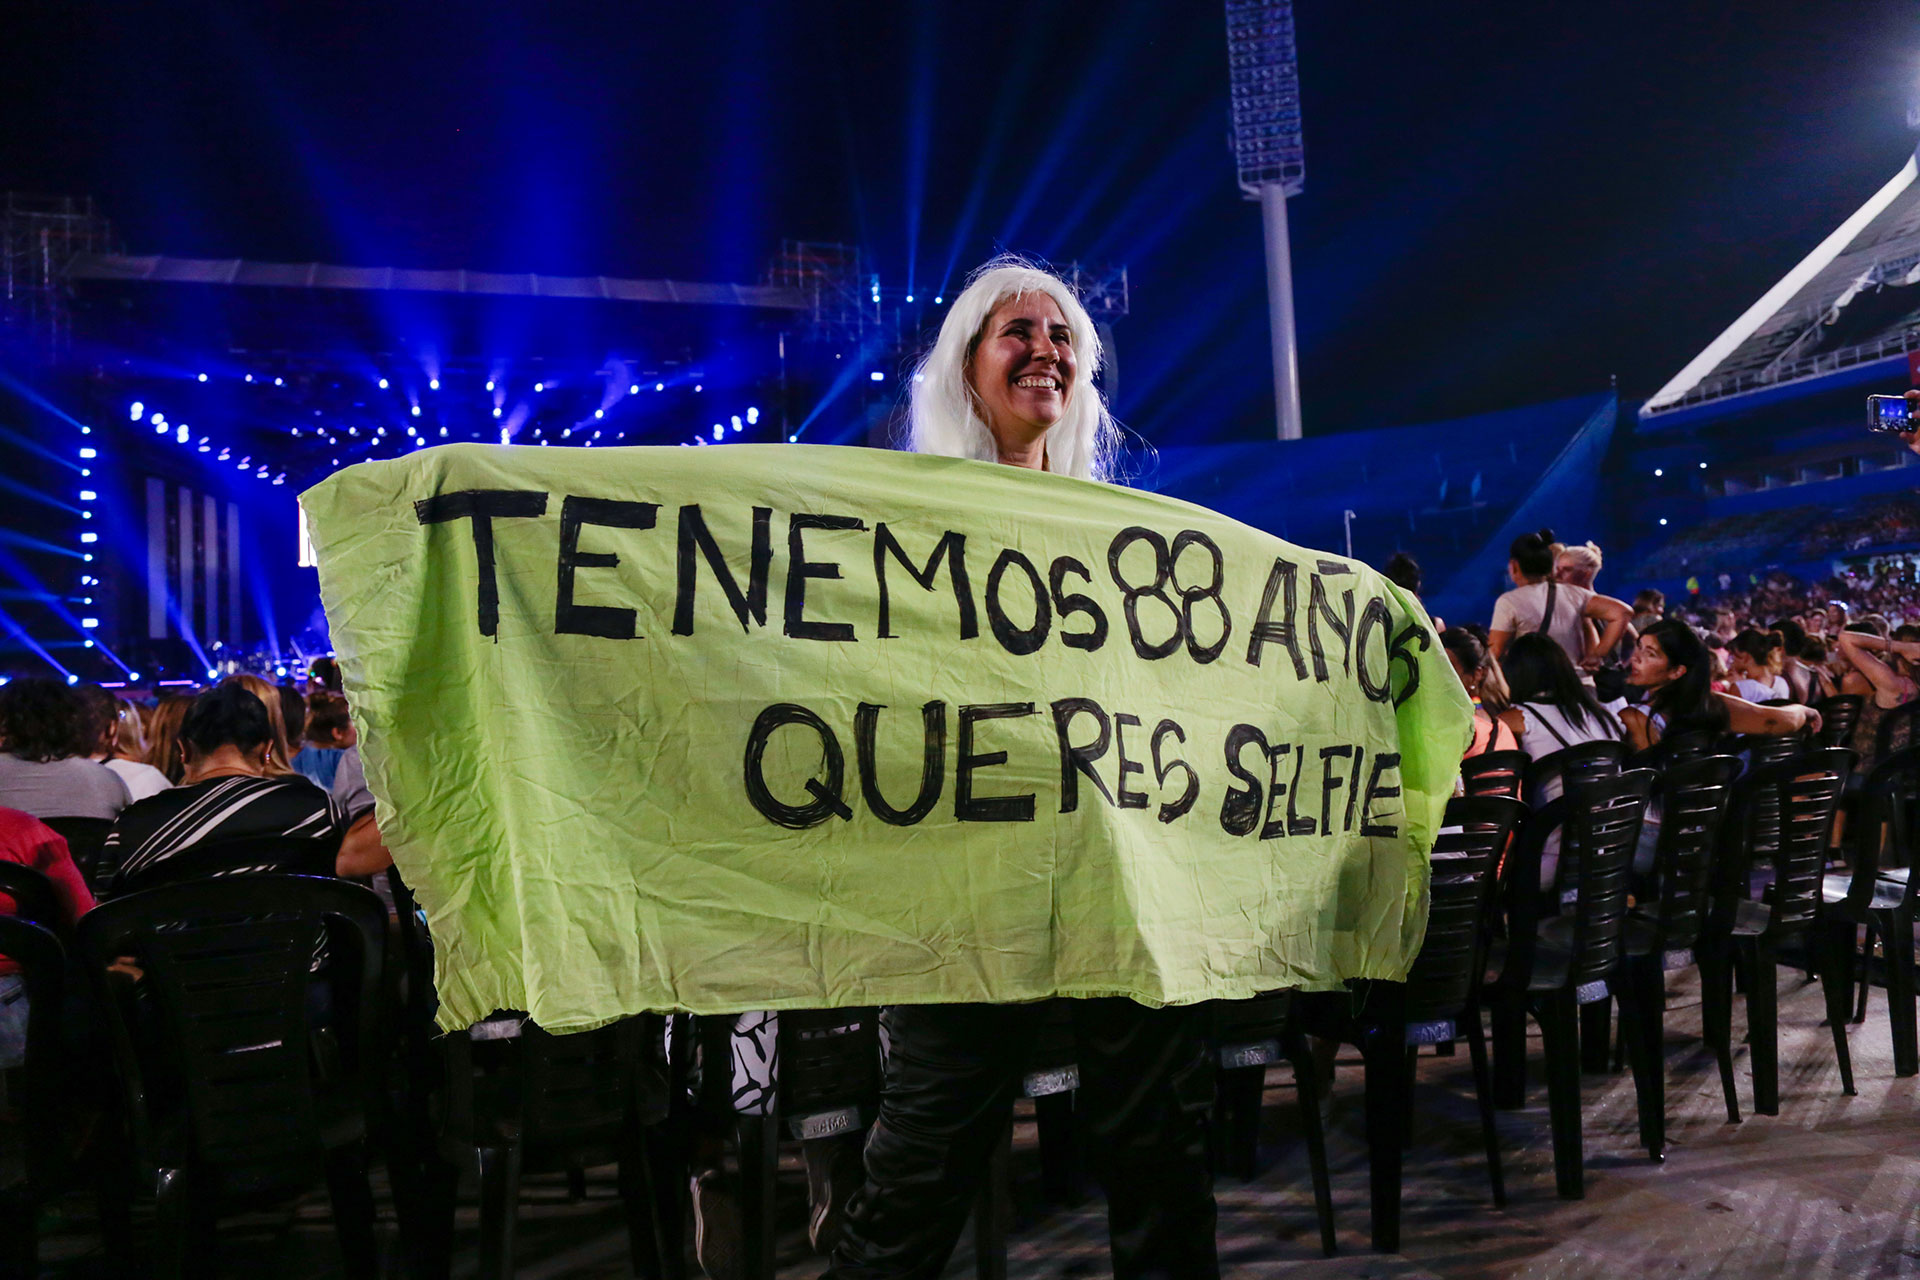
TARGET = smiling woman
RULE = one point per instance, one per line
(1010, 378)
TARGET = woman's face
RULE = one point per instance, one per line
(1469, 680)
(1649, 668)
(1743, 666)
(1023, 369)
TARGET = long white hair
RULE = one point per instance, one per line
(944, 415)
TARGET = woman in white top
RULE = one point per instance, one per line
(1557, 711)
(1561, 610)
(1750, 658)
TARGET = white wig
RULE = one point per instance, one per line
(944, 417)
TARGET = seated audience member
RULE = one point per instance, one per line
(1816, 662)
(1802, 684)
(142, 779)
(1496, 728)
(330, 731)
(1752, 655)
(130, 738)
(280, 746)
(1880, 671)
(32, 843)
(1648, 608)
(46, 734)
(1577, 566)
(1671, 663)
(1557, 711)
(1403, 571)
(163, 735)
(225, 794)
(1561, 610)
(324, 676)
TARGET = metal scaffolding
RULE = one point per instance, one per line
(40, 236)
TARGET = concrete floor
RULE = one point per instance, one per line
(1829, 1187)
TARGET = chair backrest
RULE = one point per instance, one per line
(829, 1069)
(1896, 729)
(1694, 744)
(1766, 749)
(563, 1099)
(1602, 829)
(1694, 798)
(1495, 773)
(1472, 836)
(1891, 814)
(33, 897)
(228, 964)
(44, 1095)
(1580, 762)
(1786, 819)
(85, 838)
(1251, 1032)
(1839, 717)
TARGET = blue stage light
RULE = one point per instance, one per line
(443, 433)
(383, 384)
(87, 495)
(416, 410)
(213, 673)
(634, 390)
(88, 557)
(90, 623)
(89, 453)
(279, 382)
(249, 377)
(753, 414)
(489, 384)
(159, 417)
(72, 678)
(89, 537)
(433, 384)
(136, 411)
(718, 430)
(909, 297)
(496, 411)
(736, 423)
(133, 675)
(659, 386)
(159, 428)
(181, 434)
(698, 387)
(599, 413)
(280, 671)
(203, 377)
(938, 300)
(539, 386)
(877, 376)
(86, 515)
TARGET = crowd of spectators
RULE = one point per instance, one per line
(105, 796)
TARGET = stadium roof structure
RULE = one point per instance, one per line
(1851, 302)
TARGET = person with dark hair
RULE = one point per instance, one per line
(1557, 711)
(1882, 674)
(324, 675)
(103, 709)
(1648, 608)
(1560, 610)
(1671, 664)
(225, 795)
(1494, 728)
(330, 731)
(1751, 654)
(1403, 571)
(46, 735)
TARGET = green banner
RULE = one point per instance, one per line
(782, 726)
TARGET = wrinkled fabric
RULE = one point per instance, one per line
(646, 737)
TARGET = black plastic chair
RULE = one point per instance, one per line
(1556, 963)
(85, 837)
(1885, 905)
(1665, 925)
(232, 1092)
(520, 1099)
(38, 1090)
(1581, 762)
(1495, 773)
(828, 1084)
(34, 898)
(1783, 819)
(1765, 749)
(1248, 1037)
(1839, 717)
(1439, 1001)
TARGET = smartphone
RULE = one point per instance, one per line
(1887, 414)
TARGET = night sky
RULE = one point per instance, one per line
(1504, 202)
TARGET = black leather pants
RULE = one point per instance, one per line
(1146, 1083)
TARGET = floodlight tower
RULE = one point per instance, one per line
(1264, 91)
